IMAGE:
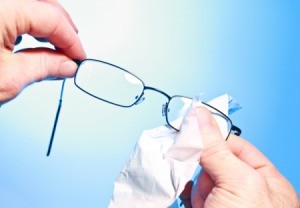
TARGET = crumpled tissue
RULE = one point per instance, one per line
(163, 161)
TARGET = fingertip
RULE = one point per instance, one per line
(75, 51)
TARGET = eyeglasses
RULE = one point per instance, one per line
(117, 86)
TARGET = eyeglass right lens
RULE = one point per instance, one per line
(109, 83)
(177, 109)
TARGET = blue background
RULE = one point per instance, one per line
(250, 49)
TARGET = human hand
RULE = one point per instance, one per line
(39, 18)
(235, 174)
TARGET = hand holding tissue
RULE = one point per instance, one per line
(163, 161)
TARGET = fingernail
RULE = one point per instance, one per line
(68, 68)
(203, 116)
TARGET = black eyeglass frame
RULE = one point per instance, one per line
(233, 129)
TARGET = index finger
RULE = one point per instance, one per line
(247, 153)
(45, 20)
(63, 11)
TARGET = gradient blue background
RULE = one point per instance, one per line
(249, 49)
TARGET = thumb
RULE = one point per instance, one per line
(27, 66)
(216, 158)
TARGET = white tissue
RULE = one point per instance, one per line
(162, 162)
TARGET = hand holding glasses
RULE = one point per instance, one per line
(117, 86)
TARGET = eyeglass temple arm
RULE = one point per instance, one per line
(236, 130)
(56, 118)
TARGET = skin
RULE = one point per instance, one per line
(235, 174)
(43, 18)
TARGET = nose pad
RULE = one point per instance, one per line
(140, 100)
(164, 110)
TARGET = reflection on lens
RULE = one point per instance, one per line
(132, 79)
(109, 83)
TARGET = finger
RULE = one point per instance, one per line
(63, 11)
(57, 30)
(185, 196)
(250, 155)
(203, 184)
(216, 158)
(41, 63)
(196, 192)
(31, 65)
(201, 188)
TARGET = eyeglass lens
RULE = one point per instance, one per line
(108, 83)
(178, 106)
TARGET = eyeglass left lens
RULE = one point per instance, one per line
(108, 83)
